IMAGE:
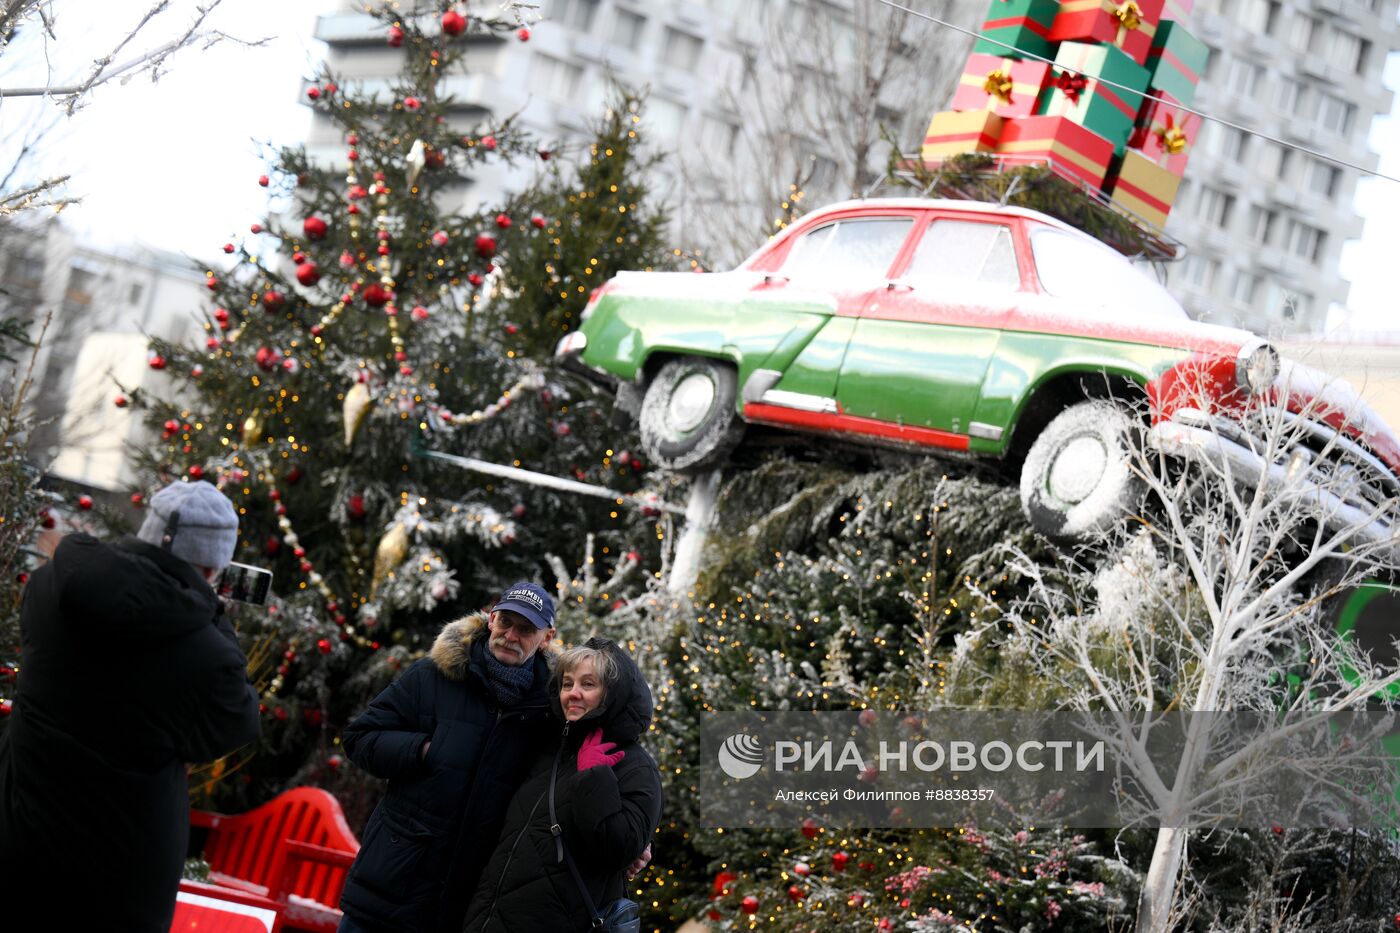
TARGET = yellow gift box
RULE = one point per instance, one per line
(1144, 188)
(954, 132)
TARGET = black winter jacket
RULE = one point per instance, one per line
(129, 672)
(425, 844)
(608, 816)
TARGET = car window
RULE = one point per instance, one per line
(965, 249)
(865, 246)
(1098, 277)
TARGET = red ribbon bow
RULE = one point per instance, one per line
(1071, 84)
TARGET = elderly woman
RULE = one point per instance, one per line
(606, 801)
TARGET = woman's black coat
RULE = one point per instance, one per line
(425, 844)
(130, 672)
(608, 816)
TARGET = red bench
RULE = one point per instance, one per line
(295, 851)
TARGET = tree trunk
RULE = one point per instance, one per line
(1155, 904)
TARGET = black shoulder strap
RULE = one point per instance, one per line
(561, 853)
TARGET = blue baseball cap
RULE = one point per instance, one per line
(531, 601)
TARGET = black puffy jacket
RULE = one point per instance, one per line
(129, 672)
(608, 816)
(425, 844)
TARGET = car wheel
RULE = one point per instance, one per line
(1077, 477)
(688, 422)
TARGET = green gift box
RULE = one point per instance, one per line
(1022, 24)
(1076, 90)
(1176, 62)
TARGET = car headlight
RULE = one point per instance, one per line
(1256, 366)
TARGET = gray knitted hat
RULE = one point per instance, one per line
(193, 521)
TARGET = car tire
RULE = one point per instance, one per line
(688, 420)
(1077, 478)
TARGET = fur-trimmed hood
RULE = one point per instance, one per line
(451, 651)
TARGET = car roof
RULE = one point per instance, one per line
(953, 204)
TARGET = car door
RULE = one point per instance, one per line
(920, 349)
(820, 284)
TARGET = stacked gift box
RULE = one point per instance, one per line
(1107, 114)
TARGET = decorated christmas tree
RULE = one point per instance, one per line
(366, 342)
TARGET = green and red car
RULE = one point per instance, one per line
(962, 328)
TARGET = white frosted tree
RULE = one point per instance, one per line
(1251, 523)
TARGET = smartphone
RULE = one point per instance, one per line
(245, 583)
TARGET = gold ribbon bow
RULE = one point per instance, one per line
(1171, 137)
(1129, 14)
(999, 83)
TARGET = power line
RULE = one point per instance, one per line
(1131, 90)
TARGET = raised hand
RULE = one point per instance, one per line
(595, 752)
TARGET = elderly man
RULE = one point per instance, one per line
(129, 673)
(454, 736)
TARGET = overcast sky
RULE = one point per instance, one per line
(174, 164)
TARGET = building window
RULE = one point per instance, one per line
(575, 14)
(1347, 51)
(1244, 287)
(1334, 114)
(1225, 141)
(682, 50)
(1294, 100)
(1272, 160)
(1200, 271)
(555, 79)
(1258, 16)
(133, 295)
(1321, 178)
(1242, 79)
(1304, 240)
(1261, 224)
(666, 118)
(628, 28)
(1304, 32)
(1215, 207)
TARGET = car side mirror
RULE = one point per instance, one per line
(895, 286)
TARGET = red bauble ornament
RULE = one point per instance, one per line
(171, 426)
(537, 222)
(267, 359)
(273, 300)
(228, 247)
(486, 246)
(120, 401)
(356, 193)
(196, 471)
(518, 510)
(355, 507)
(454, 23)
(333, 763)
(262, 180)
(523, 34)
(749, 905)
(313, 717)
(45, 519)
(314, 228)
(475, 279)
(220, 314)
(329, 88)
(280, 713)
(212, 343)
(137, 500)
(324, 646)
(489, 142)
(796, 893)
(156, 362)
(809, 828)
(512, 329)
(419, 313)
(308, 274)
(395, 37)
(839, 860)
(272, 545)
(867, 718)
(376, 296)
(802, 869)
(313, 92)
(411, 103)
(255, 228)
(544, 154)
(434, 158)
(293, 476)
(211, 282)
(85, 503)
(503, 221)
